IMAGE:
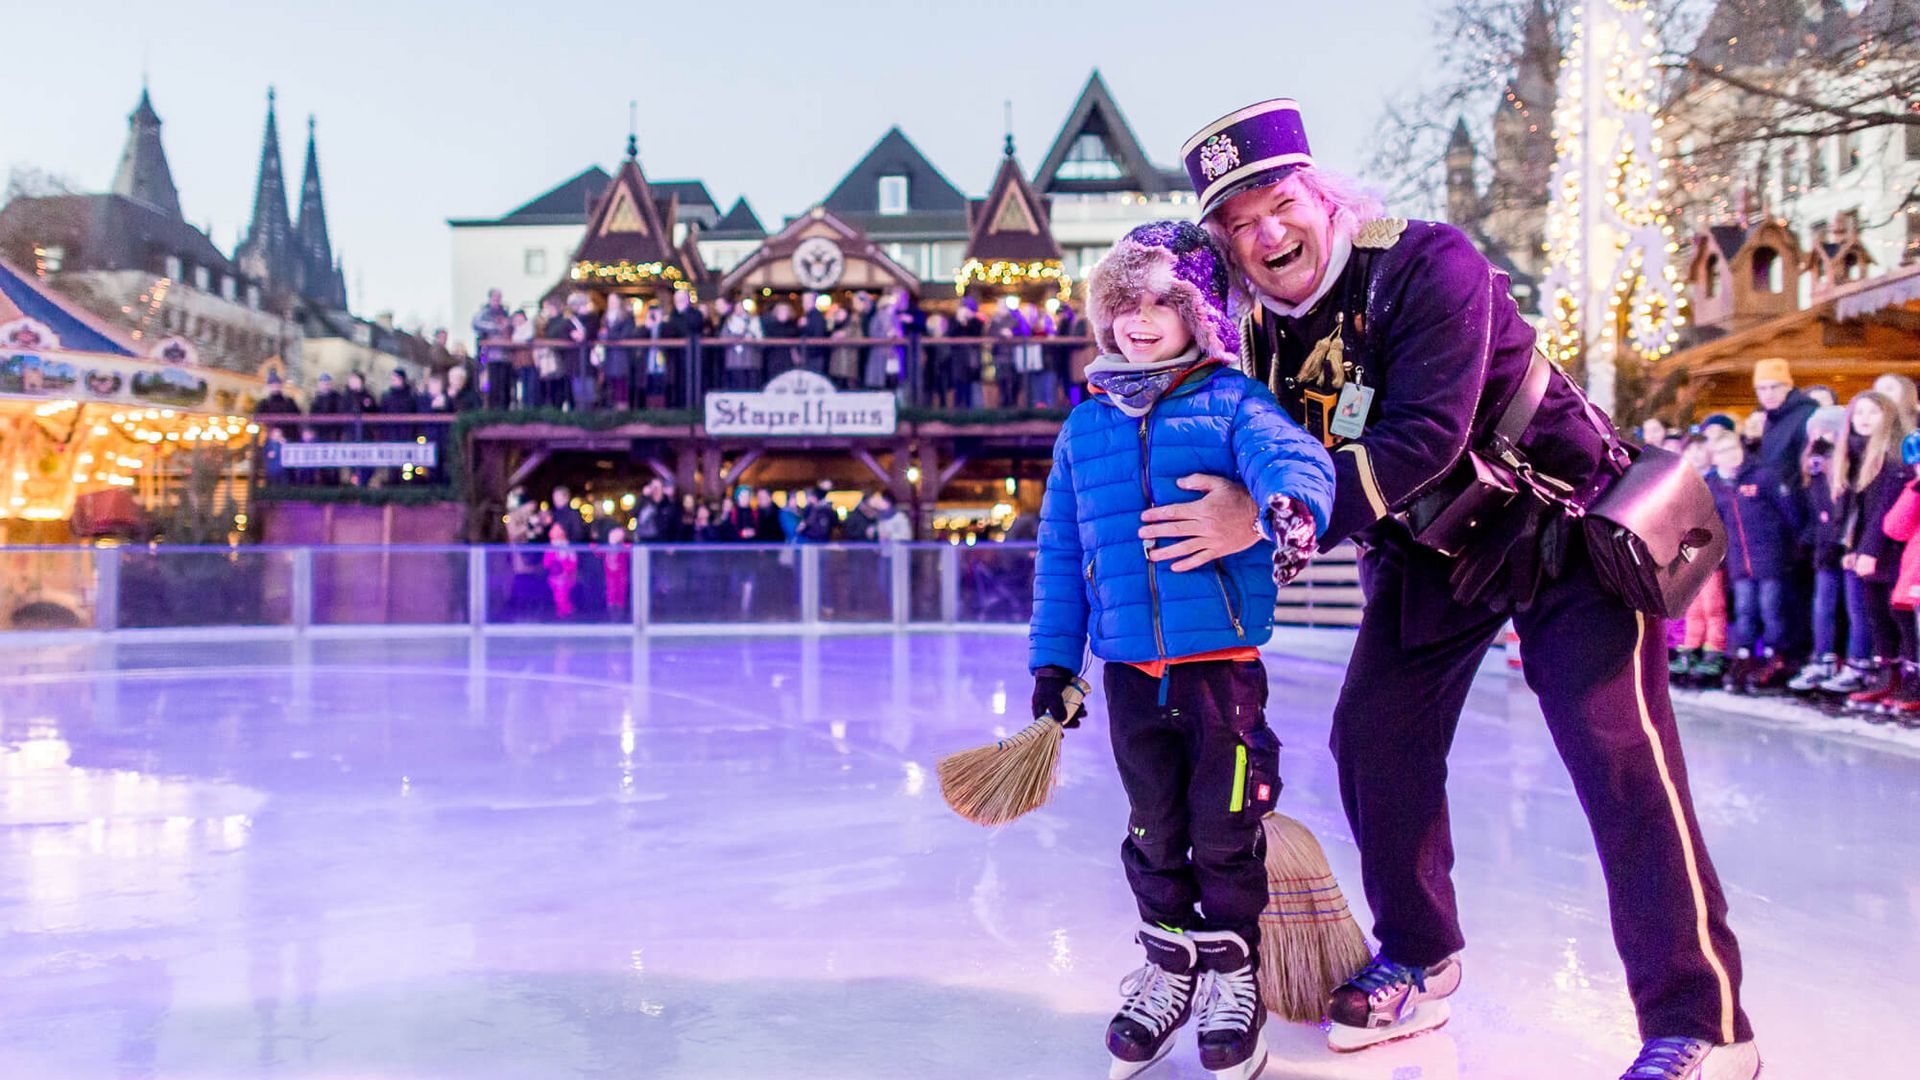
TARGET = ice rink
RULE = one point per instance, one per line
(726, 857)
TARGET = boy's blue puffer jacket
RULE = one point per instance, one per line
(1092, 577)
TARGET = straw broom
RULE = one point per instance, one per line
(993, 784)
(1309, 943)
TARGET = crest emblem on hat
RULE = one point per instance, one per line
(1217, 155)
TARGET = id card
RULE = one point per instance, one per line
(1350, 415)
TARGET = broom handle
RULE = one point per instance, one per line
(1074, 697)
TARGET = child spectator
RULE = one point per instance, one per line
(1865, 484)
(1762, 517)
(1902, 523)
(1702, 659)
(563, 570)
(1820, 537)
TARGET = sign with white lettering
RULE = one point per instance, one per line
(800, 403)
(370, 455)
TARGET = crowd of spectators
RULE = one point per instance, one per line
(617, 352)
(1820, 501)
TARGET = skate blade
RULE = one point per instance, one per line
(1249, 1069)
(1425, 1017)
(1121, 1070)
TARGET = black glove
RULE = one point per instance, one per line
(1049, 688)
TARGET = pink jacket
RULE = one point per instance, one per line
(1902, 523)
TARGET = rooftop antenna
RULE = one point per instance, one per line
(633, 130)
(1009, 126)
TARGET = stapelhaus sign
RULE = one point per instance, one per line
(800, 403)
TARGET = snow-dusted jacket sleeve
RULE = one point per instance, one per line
(1058, 632)
(1279, 459)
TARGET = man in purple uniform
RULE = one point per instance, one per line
(1399, 344)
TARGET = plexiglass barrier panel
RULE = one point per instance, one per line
(389, 586)
(923, 581)
(573, 585)
(182, 587)
(996, 584)
(47, 589)
(856, 584)
(725, 584)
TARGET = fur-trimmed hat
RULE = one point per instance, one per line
(1177, 263)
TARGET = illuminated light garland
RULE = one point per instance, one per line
(627, 273)
(1609, 233)
(1007, 274)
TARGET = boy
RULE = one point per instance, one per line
(1184, 679)
(1762, 519)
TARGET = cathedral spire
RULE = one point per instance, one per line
(143, 175)
(267, 254)
(319, 275)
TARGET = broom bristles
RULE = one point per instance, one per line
(1309, 941)
(993, 784)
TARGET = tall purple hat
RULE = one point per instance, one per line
(1252, 147)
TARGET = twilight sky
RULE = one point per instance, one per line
(429, 109)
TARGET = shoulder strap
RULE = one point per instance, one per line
(1521, 408)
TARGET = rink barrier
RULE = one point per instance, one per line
(381, 590)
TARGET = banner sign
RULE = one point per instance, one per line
(800, 402)
(339, 455)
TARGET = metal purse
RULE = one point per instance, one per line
(1654, 534)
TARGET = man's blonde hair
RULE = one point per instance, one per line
(1350, 204)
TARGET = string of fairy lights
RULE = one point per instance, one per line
(1610, 236)
(1008, 274)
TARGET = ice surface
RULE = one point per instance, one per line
(724, 857)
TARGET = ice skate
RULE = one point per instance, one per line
(1682, 1058)
(1159, 998)
(1814, 673)
(1233, 1045)
(1388, 1001)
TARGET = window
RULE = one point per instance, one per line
(907, 255)
(1789, 170)
(1849, 151)
(173, 267)
(893, 194)
(1816, 162)
(1913, 142)
(535, 262)
(52, 258)
(1713, 276)
(1911, 252)
(1088, 159)
(202, 279)
(253, 297)
(228, 287)
(1767, 273)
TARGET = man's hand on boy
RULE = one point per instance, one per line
(1295, 538)
(1049, 687)
(1219, 523)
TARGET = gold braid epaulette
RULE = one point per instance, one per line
(1380, 233)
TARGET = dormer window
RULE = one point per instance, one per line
(202, 279)
(173, 268)
(1713, 276)
(893, 195)
(1088, 159)
(1767, 275)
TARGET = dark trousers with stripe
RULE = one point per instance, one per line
(1200, 767)
(1599, 669)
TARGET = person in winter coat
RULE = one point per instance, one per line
(1702, 658)
(616, 361)
(767, 525)
(1183, 677)
(1865, 482)
(685, 322)
(1762, 517)
(1902, 523)
(1820, 539)
(556, 392)
(821, 521)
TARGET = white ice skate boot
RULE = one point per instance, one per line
(1681, 1058)
(1159, 998)
(1233, 1044)
(1388, 1001)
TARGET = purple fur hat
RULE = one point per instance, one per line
(1176, 262)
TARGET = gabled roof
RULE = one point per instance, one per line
(22, 294)
(861, 262)
(739, 223)
(629, 225)
(1771, 33)
(571, 201)
(1096, 114)
(934, 205)
(143, 175)
(1012, 223)
(107, 232)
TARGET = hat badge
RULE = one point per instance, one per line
(1217, 155)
